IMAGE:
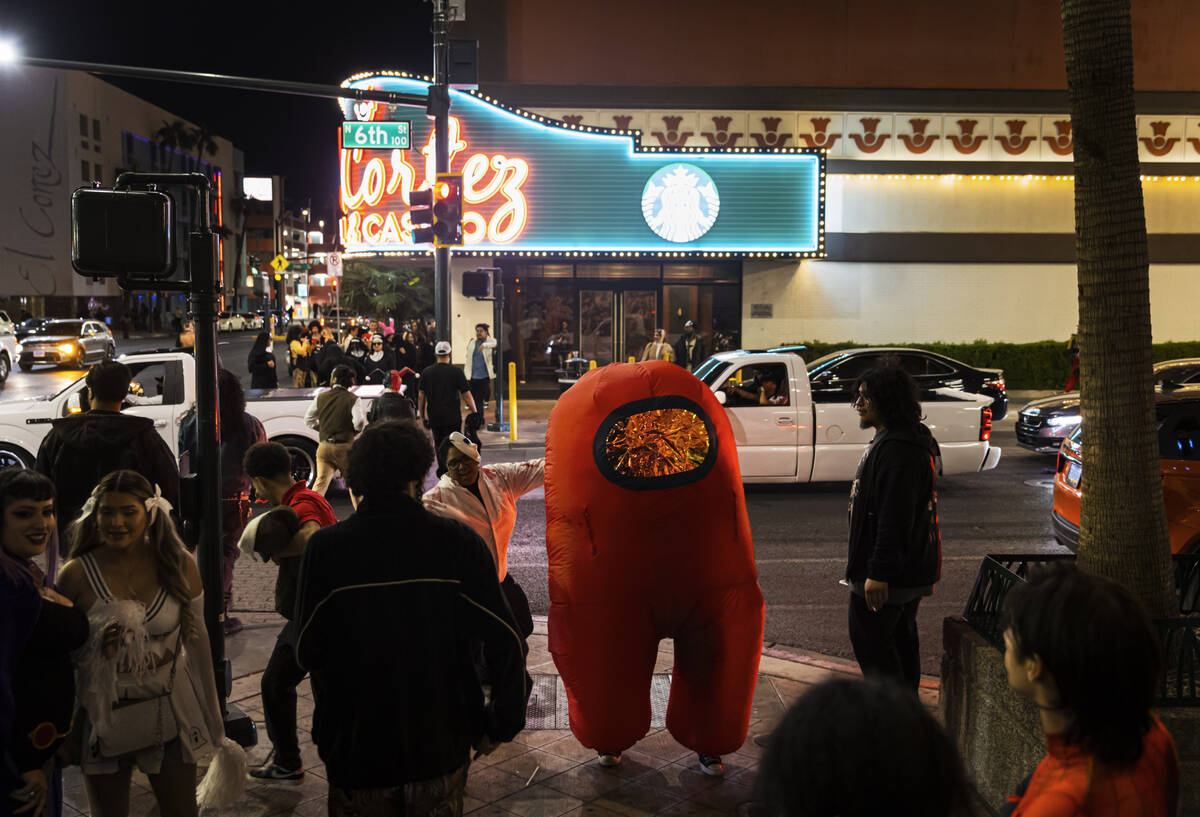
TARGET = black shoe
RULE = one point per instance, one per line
(272, 772)
(711, 765)
(233, 625)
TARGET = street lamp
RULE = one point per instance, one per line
(9, 53)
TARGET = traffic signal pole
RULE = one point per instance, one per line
(439, 108)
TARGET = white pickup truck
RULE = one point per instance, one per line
(163, 389)
(788, 436)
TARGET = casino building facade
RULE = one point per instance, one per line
(630, 169)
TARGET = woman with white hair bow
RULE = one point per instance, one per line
(485, 498)
(146, 682)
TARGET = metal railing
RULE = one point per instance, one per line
(1178, 636)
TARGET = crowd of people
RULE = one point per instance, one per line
(413, 630)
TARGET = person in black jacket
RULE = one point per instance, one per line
(895, 545)
(378, 363)
(83, 448)
(261, 363)
(399, 632)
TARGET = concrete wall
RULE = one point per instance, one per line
(999, 733)
(921, 303)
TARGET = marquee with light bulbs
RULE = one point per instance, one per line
(536, 186)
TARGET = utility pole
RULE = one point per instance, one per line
(439, 108)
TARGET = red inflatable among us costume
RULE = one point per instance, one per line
(648, 538)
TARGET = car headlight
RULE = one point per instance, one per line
(18, 349)
(66, 348)
(1064, 420)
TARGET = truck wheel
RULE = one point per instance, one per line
(15, 455)
(5, 366)
(304, 458)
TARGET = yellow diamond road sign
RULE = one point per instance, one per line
(279, 263)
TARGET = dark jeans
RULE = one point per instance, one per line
(440, 433)
(235, 513)
(481, 390)
(439, 797)
(885, 642)
(279, 683)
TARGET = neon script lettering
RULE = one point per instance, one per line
(375, 194)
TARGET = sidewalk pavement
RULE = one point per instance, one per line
(542, 773)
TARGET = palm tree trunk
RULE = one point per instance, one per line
(1123, 530)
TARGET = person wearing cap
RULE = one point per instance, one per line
(337, 415)
(689, 349)
(378, 362)
(484, 497)
(269, 466)
(443, 389)
(658, 349)
(480, 351)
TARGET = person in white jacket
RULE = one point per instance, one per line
(484, 497)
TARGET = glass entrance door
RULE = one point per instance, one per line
(639, 309)
(596, 320)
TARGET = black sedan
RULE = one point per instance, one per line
(1043, 424)
(29, 326)
(833, 375)
(69, 343)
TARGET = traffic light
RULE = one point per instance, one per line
(437, 213)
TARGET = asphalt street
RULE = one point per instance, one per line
(799, 531)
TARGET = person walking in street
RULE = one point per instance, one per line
(895, 553)
(82, 448)
(378, 363)
(300, 348)
(689, 349)
(481, 351)
(658, 349)
(269, 466)
(484, 497)
(337, 415)
(261, 363)
(443, 389)
(239, 431)
(1084, 651)
(39, 629)
(400, 633)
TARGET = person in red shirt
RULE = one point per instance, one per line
(1084, 651)
(269, 466)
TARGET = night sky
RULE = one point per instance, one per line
(285, 135)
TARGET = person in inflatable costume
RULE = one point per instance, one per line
(648, 538)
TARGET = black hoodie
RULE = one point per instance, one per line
(894, 535)
(81, 449)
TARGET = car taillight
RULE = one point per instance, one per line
(995, 382)
(985, 424)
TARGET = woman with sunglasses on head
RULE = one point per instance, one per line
(38, 630)
(146, 675)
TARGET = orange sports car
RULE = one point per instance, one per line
(1178, 415)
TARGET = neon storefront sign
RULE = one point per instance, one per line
(533, 185)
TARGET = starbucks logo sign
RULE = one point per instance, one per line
(680, 202)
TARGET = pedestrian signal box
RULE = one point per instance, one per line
(126, 233)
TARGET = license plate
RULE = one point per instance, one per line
(1073, 472)
(39, 354)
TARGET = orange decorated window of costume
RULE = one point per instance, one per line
(657, 443)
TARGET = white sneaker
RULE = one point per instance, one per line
(610, 759)
(711, 765)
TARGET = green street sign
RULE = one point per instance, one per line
(375, 135)
(298, 266)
